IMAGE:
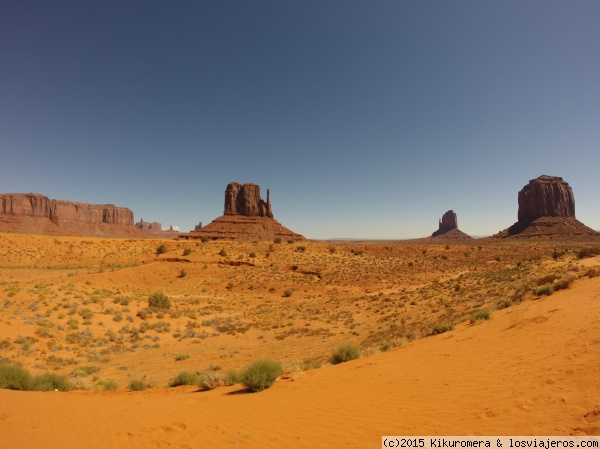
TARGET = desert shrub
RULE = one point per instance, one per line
(591, 273)
(232, 377)
(180, 357)
(105, 384)
(261, 374)
(301, 249)
(137, 385)
(331, 249)
(277, 240)
(14, 377)
(223, 253)
(345, 353)
(588, 252)
(182, 273)
(211, 380)
(187, 251)
(50, 382)
(161, 249)
(562, 284)
(547, 290)
(287, 293)
(252, 255)
(440, 328)
(184, 378)
(548, 279)
(504, 304)
(480, 315)
(159, 301)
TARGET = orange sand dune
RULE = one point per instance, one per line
(532, 369)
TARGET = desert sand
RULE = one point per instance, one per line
(531, 369)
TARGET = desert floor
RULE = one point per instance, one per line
(68, 303)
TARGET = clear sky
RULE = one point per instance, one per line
(366, 119)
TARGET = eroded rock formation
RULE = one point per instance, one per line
(63, 213)
(448, 227)
(546, 196)
(245, 217)
(547, 209)
(35, 213)
(244, 199)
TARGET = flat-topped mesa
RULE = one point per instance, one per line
(63, 213)
(244, 199)
(546, 196)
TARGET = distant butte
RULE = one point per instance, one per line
(448, 228)
(245, 217)
(547, 209)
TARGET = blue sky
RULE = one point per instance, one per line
(366, 119)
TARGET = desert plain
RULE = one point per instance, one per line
(481, 337)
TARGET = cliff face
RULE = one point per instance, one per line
(63, 213)
(546, 196)
(244, 199)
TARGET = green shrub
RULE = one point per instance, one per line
(137, 385)
(159, 301)
(440, 328)
(185, 378)
(562, 284)
(480, 315)
(588, 252)
(233, 377)
(261, 374)
(104, 384)
(14, 377)
(50, 382)
(161, 249)
(547, 290)
(345, 353)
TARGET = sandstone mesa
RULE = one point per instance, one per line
(36, 213)
(547, 209)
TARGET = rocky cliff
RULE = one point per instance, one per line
(244, 199)
(547, 209)
(63, 213)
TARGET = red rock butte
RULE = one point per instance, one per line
(547, 209)
(448, 228)
(245, 217)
